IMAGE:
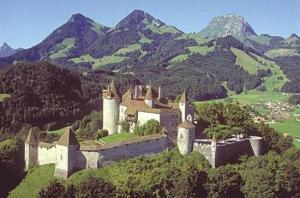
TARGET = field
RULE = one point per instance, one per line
(36, 179)
(290, 126)
(201, 49)
(252, 96)
(130, 48)
(179, 58)
(281, 52)
(96, 63)
(117, 138)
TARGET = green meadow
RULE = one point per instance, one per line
(3, 96)
(117, 138)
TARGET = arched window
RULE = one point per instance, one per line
(189, 118)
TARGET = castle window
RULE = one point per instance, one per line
(181, 136)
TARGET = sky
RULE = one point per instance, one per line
(24, 23)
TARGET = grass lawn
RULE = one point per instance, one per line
(36, 179)
(58, 132)
(201, 49)
(291, 127)
(3, 96)
(63, 48)
(117, 138)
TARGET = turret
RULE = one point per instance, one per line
(149, 98)
(66, 149)
(185, 137)
(214, 153)
(31, 150)
(111, 105)
(183, 106)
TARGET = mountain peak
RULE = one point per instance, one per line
(78, 18)
(135, 19)
(229, 24)
(6, 50)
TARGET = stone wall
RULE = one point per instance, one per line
(96, 159)
(46, 154)
(229, 150)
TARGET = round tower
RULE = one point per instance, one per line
(183, 106)
(66, 154)
(185, 137)
(31, 150)
(111, 105)
(256, 144)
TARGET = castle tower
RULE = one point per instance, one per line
(149, 98)
(111, 105)
(185, 137)
(31, 150)
(183, 106)
(66, 151)
(214, 153)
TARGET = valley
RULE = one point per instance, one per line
(243, 87)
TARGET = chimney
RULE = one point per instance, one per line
(159, 93)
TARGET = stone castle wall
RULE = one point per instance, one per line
(228, 150)
(96, 159)
(46, 154)
(74, 159)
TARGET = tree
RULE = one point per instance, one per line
(192, 184)
(224, 182)
(95, 187)
(54, 189)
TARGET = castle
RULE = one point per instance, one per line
(137, 105)
(141, 104)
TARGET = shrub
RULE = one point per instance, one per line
(102, 133)
(125, 126)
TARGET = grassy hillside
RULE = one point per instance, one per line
(3, 96)
(131, 48)
(201, 49)
(278, 78)
(247, 62)
(142, 171)
(62, 49)
(281, 52)
(117, 138)
(36, 179)
(96, 63)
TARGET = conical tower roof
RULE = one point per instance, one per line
(31, 137)
(114, 89)
(68, 138)
(184, 98)
(149, 94)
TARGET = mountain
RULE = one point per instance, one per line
(6, 50)
(229, 24)
(68, 40)
(141, 20)
(148, 49)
